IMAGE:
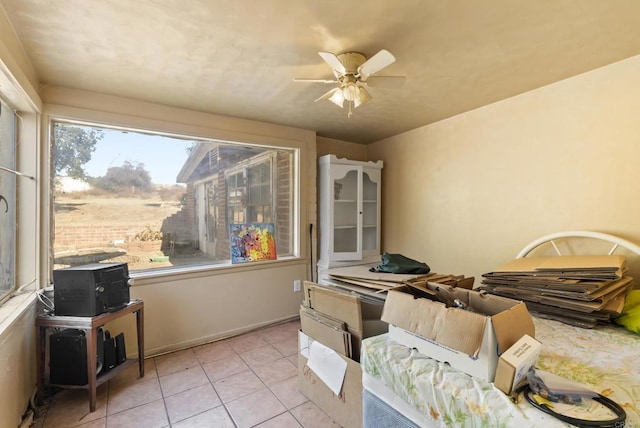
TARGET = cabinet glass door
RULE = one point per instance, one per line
(370, 232)
(346, 212)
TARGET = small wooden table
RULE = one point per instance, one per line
(90, 325)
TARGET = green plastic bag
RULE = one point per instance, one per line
(630, 317)
(397, 263)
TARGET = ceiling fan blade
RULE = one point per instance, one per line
(315, 80)
(392, 82)
(376, 63)
(328, 94)
(333, 62)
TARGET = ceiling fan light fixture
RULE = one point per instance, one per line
(337, 98)
(350, 91)
(363, 97)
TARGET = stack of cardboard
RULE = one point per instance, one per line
(577, 290)
(360, 280)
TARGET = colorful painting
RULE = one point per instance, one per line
(251, 242)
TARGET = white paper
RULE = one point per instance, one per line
(328, 366)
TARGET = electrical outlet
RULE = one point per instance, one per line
(297, 285)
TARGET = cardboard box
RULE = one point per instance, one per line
(515, 362)
(469, 341)
(345, 408)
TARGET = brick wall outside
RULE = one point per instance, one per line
(283, 202)
(78, 237)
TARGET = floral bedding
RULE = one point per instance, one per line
(605, 359)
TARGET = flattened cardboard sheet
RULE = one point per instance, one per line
(589, 264)
(331, 335)
(338, 305)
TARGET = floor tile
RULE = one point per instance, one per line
(192, 402)
(275, 334)
(293, 359)
(239, 385)
(218, 418)
(214, 351)
(288, 393)
(70, 408)
(255, 408)
(287, 347)
(284, 420)
(169, 363)
(132, 373)
(98, 423)
(259, 356)
(311, 416)
(182, 380)
(217, 370)
(150, 415)
(126, 396)
(246, 342)
(276, 371)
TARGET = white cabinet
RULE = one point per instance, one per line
(349, 212)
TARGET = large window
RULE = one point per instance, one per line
(161, 202)
(7, 200)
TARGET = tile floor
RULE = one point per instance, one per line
(244, 381)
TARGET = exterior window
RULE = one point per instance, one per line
(159, 202)
(260, 200)
(237, 191)
(8, 182)
(212, 212)
(250, 193)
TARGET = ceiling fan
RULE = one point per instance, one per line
(353, 74)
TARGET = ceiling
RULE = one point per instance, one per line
(239, 58)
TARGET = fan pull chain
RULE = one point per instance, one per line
(350, 112)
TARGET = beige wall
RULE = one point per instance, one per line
(18, 365)
(467, 193)
(341, 149)
(181, 313)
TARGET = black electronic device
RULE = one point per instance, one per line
(68, 357)
(110, 355)
(90, 290)
(121, 352)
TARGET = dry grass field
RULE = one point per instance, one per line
(114, 211)
(136, 214)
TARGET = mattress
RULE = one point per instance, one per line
(431, 393)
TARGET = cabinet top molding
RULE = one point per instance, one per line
(333, 159)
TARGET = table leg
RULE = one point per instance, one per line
(92, 351)
(140, 328)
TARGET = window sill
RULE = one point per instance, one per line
(12, 309)
(170, 274)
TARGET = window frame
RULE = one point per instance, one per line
(83, 117)
(27, 266)
(9, 192)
